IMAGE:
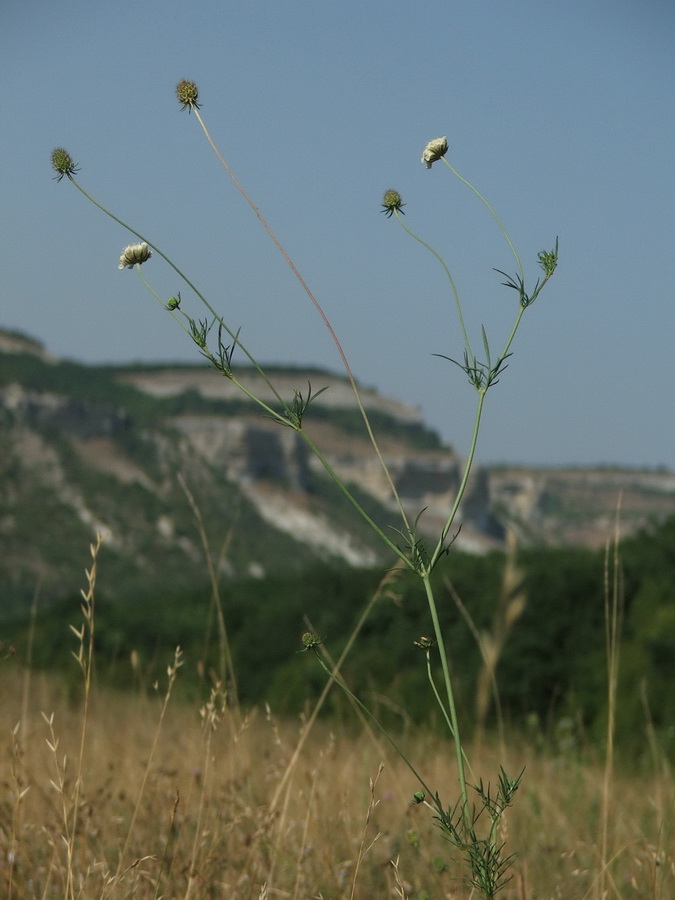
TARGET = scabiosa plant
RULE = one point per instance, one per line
(471, 825)
(486, 861)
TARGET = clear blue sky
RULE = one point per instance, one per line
(562, 114)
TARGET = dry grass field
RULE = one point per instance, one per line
(141, 796)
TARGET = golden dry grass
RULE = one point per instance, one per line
(213, 812)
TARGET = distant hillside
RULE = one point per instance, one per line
(132, 451)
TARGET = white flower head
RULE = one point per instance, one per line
(434, 150)
(134, 254)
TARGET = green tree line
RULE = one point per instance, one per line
(552, 664)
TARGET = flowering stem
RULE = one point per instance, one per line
(440, 546)
(154, 293)
(513, 332)
(357, 506)
(187, 281)
(282, 419)
(233, 378)
(453, 722)
(492, 213)
(447, 272)
(452, 709)
(440, 703)
(318, 308)
(333, 675)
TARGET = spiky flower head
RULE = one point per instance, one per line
(434, 150)
(309, 641)
(391, 203)
(187, 94)
(134, 254)
(63, 164)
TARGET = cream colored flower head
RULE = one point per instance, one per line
(134, 254)
(434, 150)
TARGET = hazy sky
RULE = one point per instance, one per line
(561, 113)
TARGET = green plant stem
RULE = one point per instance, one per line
(440, 546)
(492, 213)
(455, 292)
(380, 728)
(268, 410)
(184, 278)
(319, 309)
(446, 715)
(357, 506)
(507, 345)
(438, 631)
(305, 437)
(451, 708)
(356, 630)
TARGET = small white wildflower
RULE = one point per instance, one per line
(134, 254)
(434, 150)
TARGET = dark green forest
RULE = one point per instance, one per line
(552, 666)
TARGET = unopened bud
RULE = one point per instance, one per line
(434, 150)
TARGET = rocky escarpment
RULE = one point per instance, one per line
(267, 460)
(114, 449)
(579, 506)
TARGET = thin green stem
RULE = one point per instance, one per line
(333, 675)
(446, 716)
(440, 546)
(319, 309)
(233, 378)
(451, 708)
(283, 420)
(455, 292)
(492, 213)
(148, 287)
(187, 281)
(357, 506)
(512, 335)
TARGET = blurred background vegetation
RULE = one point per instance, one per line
(550, 671)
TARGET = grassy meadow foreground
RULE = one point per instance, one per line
(157, 798)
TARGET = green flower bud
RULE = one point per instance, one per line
(187, 94)
(434, 150)
(309, 640)
(548, 260)
(62, 163)
(133, 255)
(392, 203)
(173, 303)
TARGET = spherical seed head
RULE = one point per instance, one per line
(391, 203)
(309, 640)
(62, 163)
(434, 150)
(187, 94)
(134, 254)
